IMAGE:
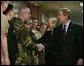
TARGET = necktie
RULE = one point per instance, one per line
(63, 32)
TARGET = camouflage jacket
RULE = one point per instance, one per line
(27, 48)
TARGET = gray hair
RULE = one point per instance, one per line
(22, 9)
(66, 11)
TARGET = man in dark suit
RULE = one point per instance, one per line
(67, 44)
(46, 40)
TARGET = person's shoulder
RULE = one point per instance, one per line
(3, 17)
(58, 27)
(76, 25)
(47, 32)
(16, 18)
(4, 20)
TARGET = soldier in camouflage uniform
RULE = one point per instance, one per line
(28, 54)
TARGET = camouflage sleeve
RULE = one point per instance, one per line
(30, 44)
(19, 28)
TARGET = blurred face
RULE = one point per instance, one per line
(26, 14)
(50, 25)
(5, 5)
(34, 23)
(61, 17)
(43, 28)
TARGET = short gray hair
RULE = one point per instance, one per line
(22, 9)
(66, 11)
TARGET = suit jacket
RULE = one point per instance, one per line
(71, 49)
(46, 39)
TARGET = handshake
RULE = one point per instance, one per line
(40, 47)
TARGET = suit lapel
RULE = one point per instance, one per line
(60, 33)
(69, 31)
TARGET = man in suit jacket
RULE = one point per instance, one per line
(46, 40)
(67, 44)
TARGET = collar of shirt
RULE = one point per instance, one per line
(67, 25)
(36, 33)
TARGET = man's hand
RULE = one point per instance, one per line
(2, 61)
(7, 61)
(40, 47)
(80, 61)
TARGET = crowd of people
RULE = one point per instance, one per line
(26, 42)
